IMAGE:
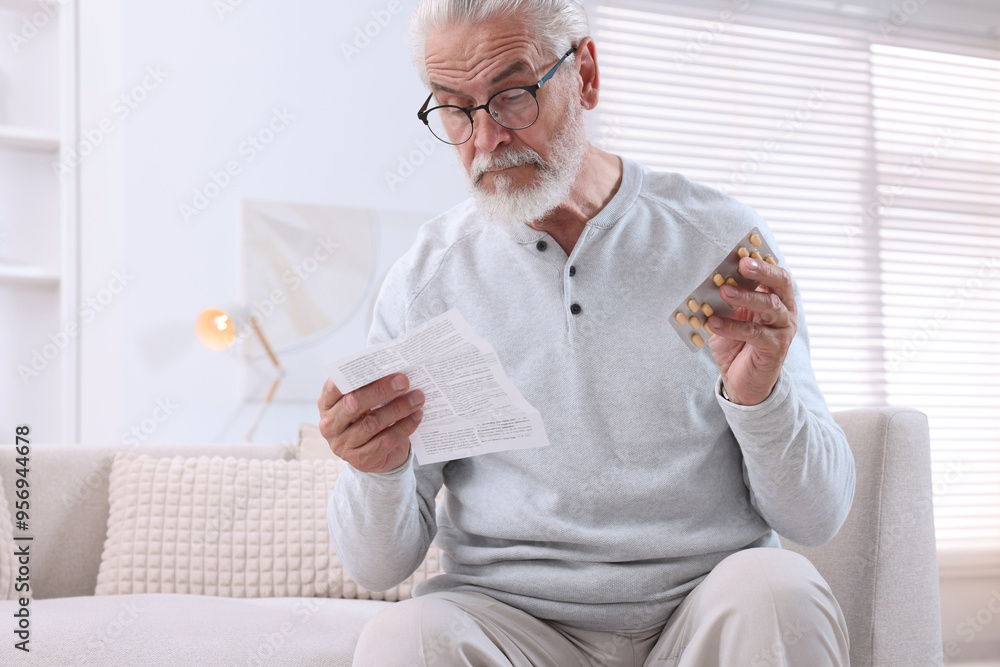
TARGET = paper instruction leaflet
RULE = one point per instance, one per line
(471, 407)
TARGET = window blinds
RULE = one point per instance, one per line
(871, 145)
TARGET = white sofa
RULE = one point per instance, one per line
(882, 568)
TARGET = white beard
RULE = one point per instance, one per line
(511, 206)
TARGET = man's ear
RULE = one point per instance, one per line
(590, 80)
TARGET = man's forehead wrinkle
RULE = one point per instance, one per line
(454, 67)
(515, 67)
(458, 75)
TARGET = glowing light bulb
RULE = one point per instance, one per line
(215, 329)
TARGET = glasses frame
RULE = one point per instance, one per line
(533, 90)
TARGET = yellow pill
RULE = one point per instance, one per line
(681, 318)
(707, 330)
(694, 322)
(755, 254)
(771, 260)
(693, 305)
(743, 252)
(697, 340)
(707, 309)
(732, 282)
(718, 280)
(755, 240)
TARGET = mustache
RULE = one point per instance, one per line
(482, 164)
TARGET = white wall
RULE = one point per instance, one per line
(346, 119)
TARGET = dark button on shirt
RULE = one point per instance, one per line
(542, 245)
(572, 271)
(575, 309)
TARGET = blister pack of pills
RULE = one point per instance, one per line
(690, 318)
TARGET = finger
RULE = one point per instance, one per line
(777, 279)
(753, 333)
(768, 308)
(724, 350)
(329, 396)
(389, 450)
(742, 314)
(354, 405)
(371, 425)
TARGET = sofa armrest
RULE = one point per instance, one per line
(882, 565)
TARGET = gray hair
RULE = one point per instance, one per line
(555, 25)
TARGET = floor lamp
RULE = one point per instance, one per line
(216, 330)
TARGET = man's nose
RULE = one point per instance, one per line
(487, 133)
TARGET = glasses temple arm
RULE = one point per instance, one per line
(552, 71)
(423, 109)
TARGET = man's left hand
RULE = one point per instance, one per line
(750, 347)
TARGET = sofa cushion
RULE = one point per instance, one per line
(312, 446)
(8, 564)
(229, 527)
(169, 630)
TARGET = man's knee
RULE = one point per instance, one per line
(414, 631)
(810, 623)
(808, 619)
(783, 575)
(752, 579)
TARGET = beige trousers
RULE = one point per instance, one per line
(758, 608)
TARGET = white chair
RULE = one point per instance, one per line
(882, 565)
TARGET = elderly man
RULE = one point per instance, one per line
(646, 533)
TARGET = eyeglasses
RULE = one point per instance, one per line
(513, 108)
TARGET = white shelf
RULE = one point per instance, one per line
(26, 138)
(43, 275)
(34, 276)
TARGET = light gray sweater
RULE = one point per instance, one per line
(652, 477)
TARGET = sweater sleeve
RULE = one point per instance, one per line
(796, 460)
(382, 524)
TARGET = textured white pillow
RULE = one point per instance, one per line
(8, 565)
(228, 527)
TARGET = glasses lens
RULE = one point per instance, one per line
(515, 109)
(450, 124)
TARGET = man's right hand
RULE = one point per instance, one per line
(370, 438)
